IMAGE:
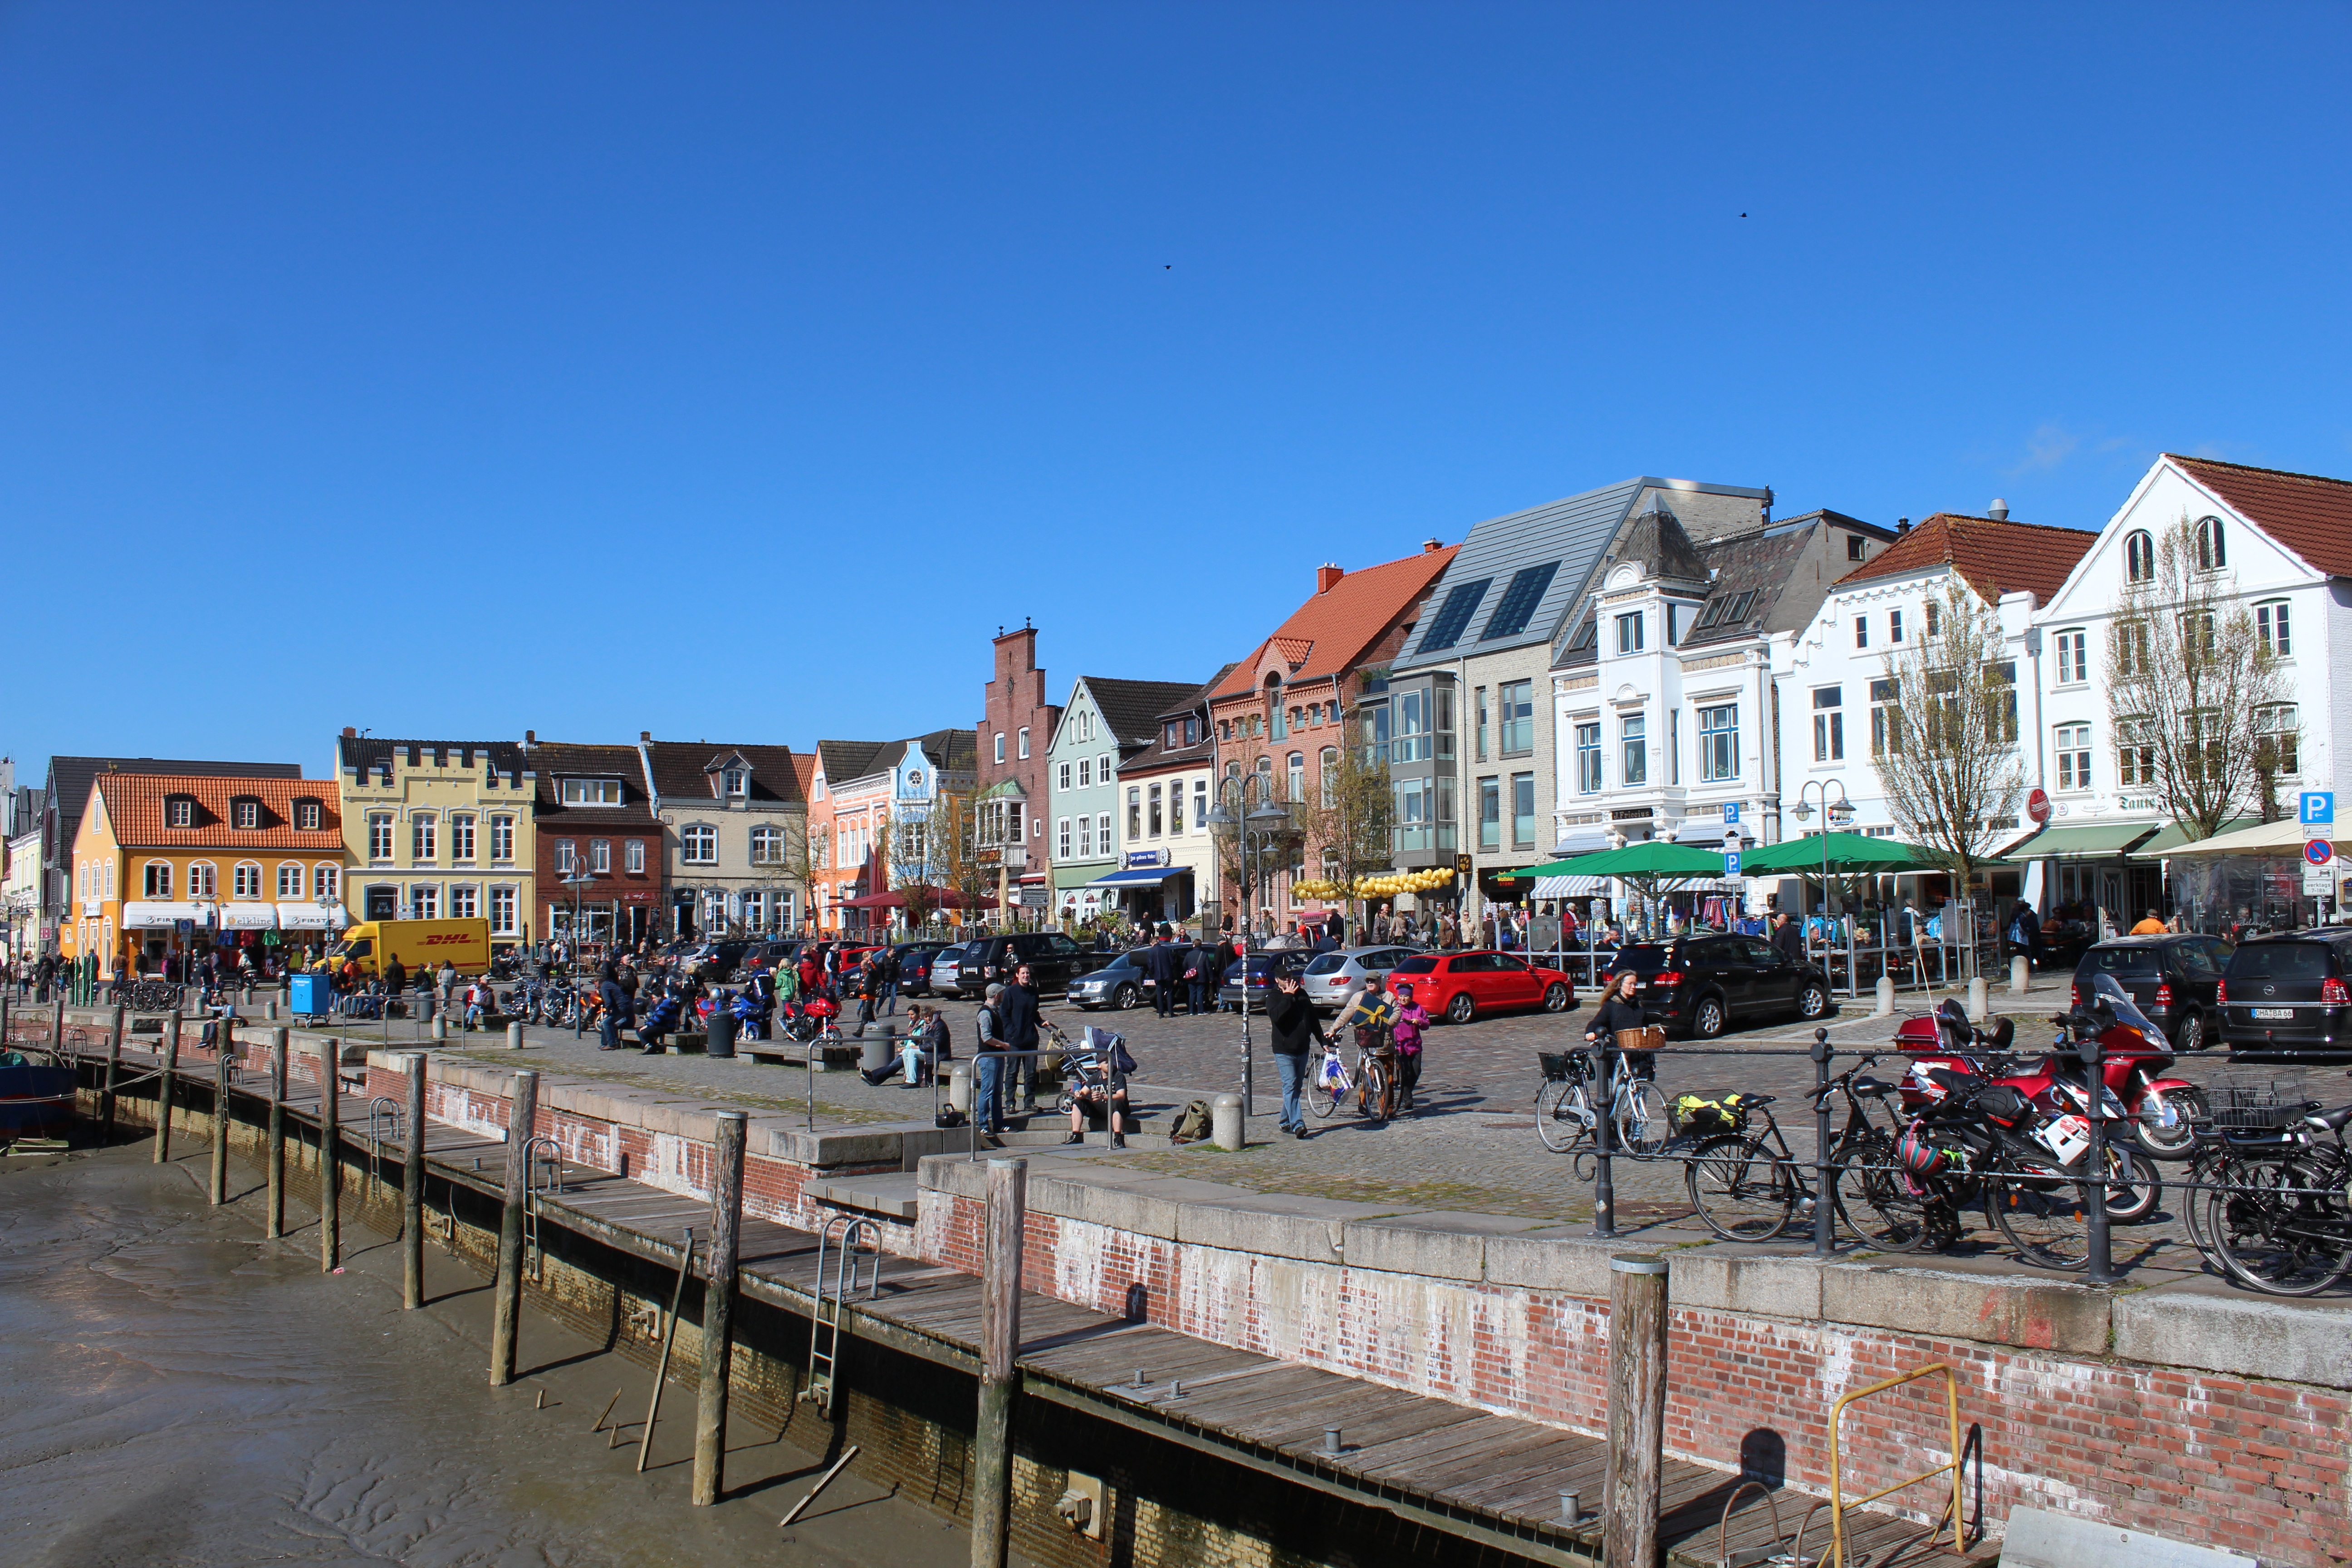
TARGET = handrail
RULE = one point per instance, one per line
(1838, 1505)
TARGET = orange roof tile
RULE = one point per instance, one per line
(134, 809)
(1333, 630)
(2310, 515)
(1994, 557)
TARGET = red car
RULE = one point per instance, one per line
(1458, 986)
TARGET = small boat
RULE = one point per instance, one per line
(35, 1102)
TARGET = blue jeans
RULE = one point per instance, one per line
(890, 998)
(1294, 1079)
(987, 1094)
(609, 1026)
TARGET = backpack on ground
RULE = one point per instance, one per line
(1192, 1123)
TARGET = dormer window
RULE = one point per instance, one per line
(309, 816)
(735, 782)
(179, 811)
(245, 814)
(591, 792)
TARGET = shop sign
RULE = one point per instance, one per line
(1149, 859)
(2037, 807)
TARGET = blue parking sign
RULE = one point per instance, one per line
(1731, 812)
(1731, 862)
(2317, 806)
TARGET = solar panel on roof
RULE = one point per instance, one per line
(1519, 600)
(1461, 604)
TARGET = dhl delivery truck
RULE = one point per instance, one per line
(421, 946)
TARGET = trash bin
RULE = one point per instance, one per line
(874, 1055)
(307, 995)
(721, 1040)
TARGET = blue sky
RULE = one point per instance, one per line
(735, 372)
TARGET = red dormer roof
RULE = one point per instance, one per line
(2310, 515)
(1994, 557)
(1333, 631)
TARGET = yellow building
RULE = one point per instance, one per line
(440, 830)
(164, 864)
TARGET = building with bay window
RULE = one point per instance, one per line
(438, 829)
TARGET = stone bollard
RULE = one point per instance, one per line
(1979, 1001)
(1886, 1008)
(514, 1035)
(1225, 1120)
(2017, 976)
(960, 1086)
(269, 1012)
(440, 1025)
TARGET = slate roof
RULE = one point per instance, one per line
(364, 752)
(134, 808)
(682, 771)
(1203, 749)
(554, 760)
(1132, 709)
(1331, 632)
(69, 780)
(1994, 557)
(951, 751)
(2310, 515)
(845, 759)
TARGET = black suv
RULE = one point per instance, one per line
(1054, 959)
(1702, 985)
(2290, 991)
(2175, 978)
(712, 962)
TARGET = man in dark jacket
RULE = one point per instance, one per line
(1159, 961)
(395, 978)
(1295, 1026)
(1789, 937)
(1200, 974)
(619, 1012)
(1017, 1013)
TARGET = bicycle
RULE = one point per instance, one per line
(1566, 1119)
(2275, 1216)
(1749, 1186)
(1372, 1084)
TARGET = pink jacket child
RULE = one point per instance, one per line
(1411, 1021)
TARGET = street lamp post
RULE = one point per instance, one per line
(577, 881)
(1264, 824)
(1836, 814)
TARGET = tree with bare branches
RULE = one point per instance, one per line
(1350, 824)
(1946, 746)
(2198, 700)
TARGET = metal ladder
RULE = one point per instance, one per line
(824, 1317)
(543, 1147)
(384, 1112)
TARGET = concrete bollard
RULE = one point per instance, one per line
(1225, 1120)
(514, 1035)
(1979, 1001)
(960, 1086)
(440, 1026)
(1885, 997)
(2017, 976)
(269, 1012)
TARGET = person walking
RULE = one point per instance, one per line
(1410, 1027)
(1295, 1024)
(1160, 965)
(988, 1065)
(1200, 974)
(886, 967)
(1018, 1013)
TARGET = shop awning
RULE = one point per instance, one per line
(2089, 841)
(1706, 832)
(311, 917)
(145, 916)
(1142, 877)
(1584, 841)
(248, 917)
(2280, 840)
(2174, 840)
(1571, 888)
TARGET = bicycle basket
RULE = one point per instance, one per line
(1923, 1156)
(1559, 1067)
(2250, 1107)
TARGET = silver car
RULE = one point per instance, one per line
(943, 970)
(1331, 976)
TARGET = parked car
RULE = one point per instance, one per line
(2291, 992)
(1118, 985)
(940, 974)
(1331, 976)
(1263, 967)
(712, 962)
(2175, 979)
(1458, 986)
(915, 967)
(1701, 985)
(1054, 960)
(771, 955)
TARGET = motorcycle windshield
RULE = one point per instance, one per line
(2104, 989)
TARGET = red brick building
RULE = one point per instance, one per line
(591, 814)
(1015, 728)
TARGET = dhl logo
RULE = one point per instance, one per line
(445, 938)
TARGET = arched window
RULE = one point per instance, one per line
(2211, 554)
(2139, 557)
(1297, 777)
(326, 881)
(767, 846)
(699, 845)
(1331, 775)
(203, 880)
(158, 880)
(245, 882)
(289, 879)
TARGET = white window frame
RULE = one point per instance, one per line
(244, 880)
(698, 845)
(1025, 742)
(180, 811)
(291, 876)
(502, 838)
(2274, 627)
(461, 837)
(1588, 776)
(567, 857)
(326, 881)
(1829, 723)
(155, 877)
(2074, 656)
(767, 844)
(245, 815)
(505, 905)
(2072, 745)
(1062, 776)
(309, 816)
(465, 901)
(600, 856)
(1062, 837)
(204, 879)
(425, 900)
(2139, 556)
(1628, 632)
(590, 791)
(1712, 737)
(1000, 747)
(424, 837)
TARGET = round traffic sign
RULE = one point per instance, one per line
(2318, 851)
(2037, 807)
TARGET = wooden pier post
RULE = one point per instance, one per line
(1000, 1351)
(331, 1164)
(113, 1066)
(718, 1309)
(171, 1053)
(275, 1225)
(506, 1313)
(1637, 1410)
(224, 1069)
(412, 1192)
(57, 1024)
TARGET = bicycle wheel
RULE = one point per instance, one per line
(1331, 1094)
(2046, 1216)
(1642, 1125)
(2269, 1226)
(1883, 1206)
(1374, 1093)
(1741, 1188)
(1556, 1103)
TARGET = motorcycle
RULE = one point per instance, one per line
(805, 1020)
(2157, 1113)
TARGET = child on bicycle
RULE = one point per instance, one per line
(1411, 1023)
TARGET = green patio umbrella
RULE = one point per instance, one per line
(1653, 859)
(1850, 855)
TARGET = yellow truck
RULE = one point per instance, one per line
(421, 946)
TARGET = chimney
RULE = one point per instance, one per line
(1328, 576)
(1902, 525)
(350, 733)
(1998, 511)
(646, 735)
(530, 737)
(1430, 546)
